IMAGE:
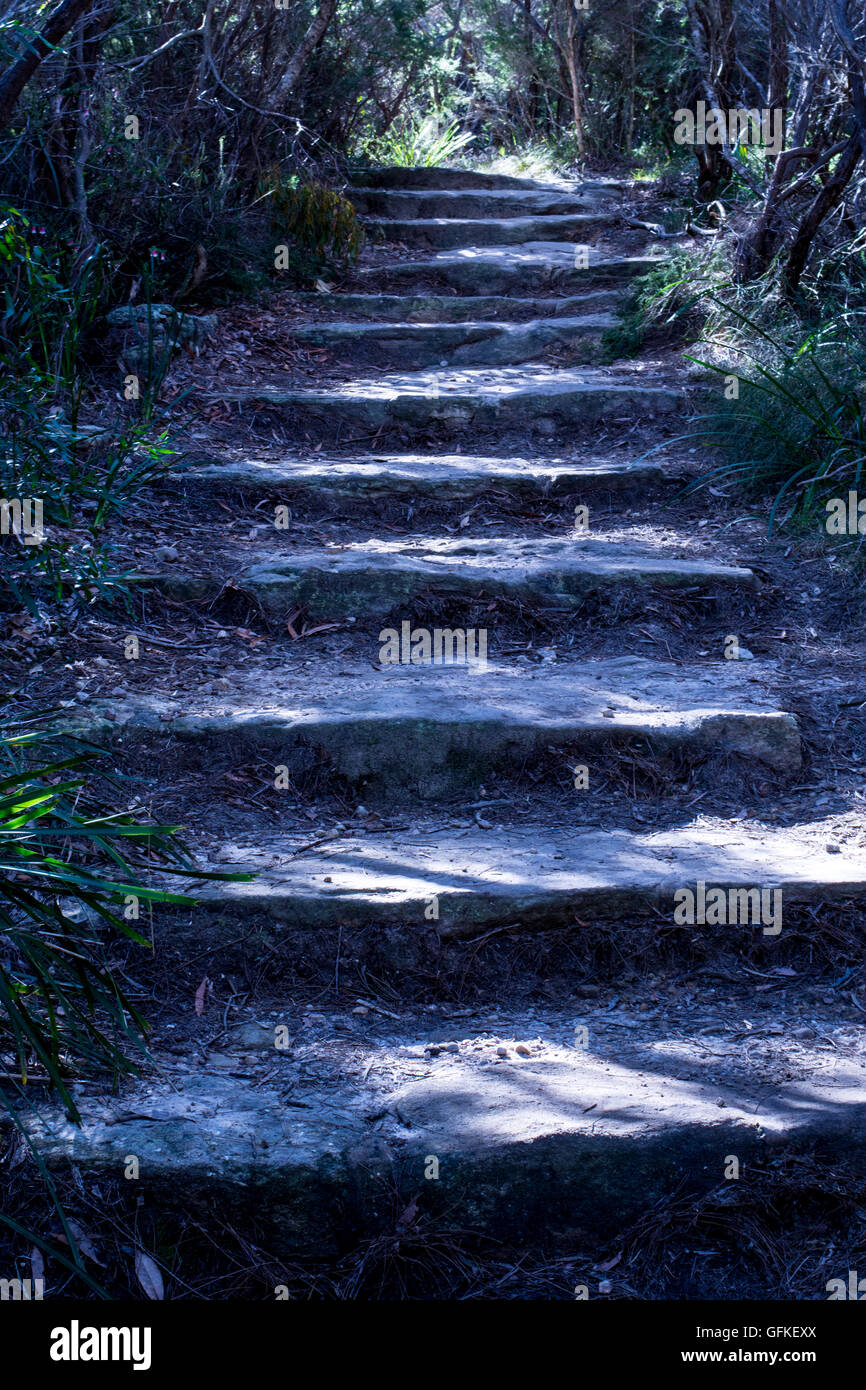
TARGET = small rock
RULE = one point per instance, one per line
(522, 1049)
(167, 553)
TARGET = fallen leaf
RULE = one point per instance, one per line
(322, 627)
(83, 1241)
(201, 995)
(610, 1264)
(149, 1277)
(408, 1216)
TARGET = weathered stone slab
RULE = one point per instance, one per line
(398, 176)
(441, 308)
(429, 475)
(405, 203)
(469, 344)
(437, 727)
(509, 398)
(486, 878)
(446, 232)
(316, 1140)
(374, 577)
(536, 266)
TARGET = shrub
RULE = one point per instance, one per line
(320, 226)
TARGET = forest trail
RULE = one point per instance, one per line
(457, 988)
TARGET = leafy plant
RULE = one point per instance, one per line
(419, 143)
(67, 863)
(319, 225)
(80, 474)
(797, 425)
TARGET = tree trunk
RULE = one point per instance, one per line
(711, 25)
(571, 58)
(18, 74)
(827, 199)
(299, 58)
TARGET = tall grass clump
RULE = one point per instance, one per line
(790, 423)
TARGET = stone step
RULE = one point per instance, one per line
(526, 399)
(441, 308)
(370, 579)
(436, 728)
(397, 176)
(450, 232)
(419, 475)
(492, 270)
(321, 1127)
(459, 344)
(537, 877)
(406, 203)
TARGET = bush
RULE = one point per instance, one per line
(64, 862)
(79, 474)
(797, 428)
(417, 143)
(320, 227)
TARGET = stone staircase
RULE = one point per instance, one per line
(443, 926)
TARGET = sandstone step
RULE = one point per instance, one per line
(329, 1136)
(484, 879)
(440, 308)
(493, 270)
(528, 398)
(437, 727)
(407, 203)
(441, 178)
(419, 475)
(450, 232)
(438, 177)
(370, 579)
(464, 344)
